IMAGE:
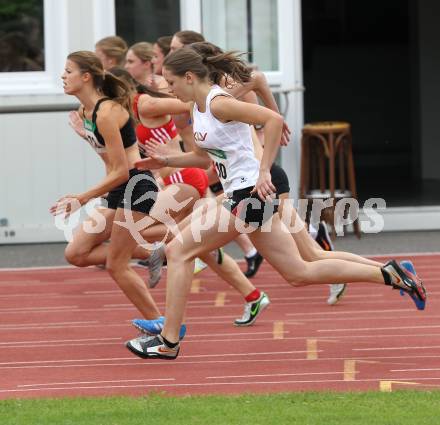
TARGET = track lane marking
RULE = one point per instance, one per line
(220, 299)
(278, 329)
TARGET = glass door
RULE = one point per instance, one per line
(270, 32)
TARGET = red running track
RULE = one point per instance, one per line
(62, 333)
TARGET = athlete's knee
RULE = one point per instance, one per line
(75, 257)
(296, 282)
(315, 254)
(297, 276)
(175, 251)
(116, 269)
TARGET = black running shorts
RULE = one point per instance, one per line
(279, 179)
(249, 207)
(278, 176)
(127, 195)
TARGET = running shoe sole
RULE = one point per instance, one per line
(420, 303)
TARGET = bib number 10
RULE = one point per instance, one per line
(221, 170)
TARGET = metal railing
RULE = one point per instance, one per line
(22, 109)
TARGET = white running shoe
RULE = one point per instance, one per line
(252, 310)
(336, 292)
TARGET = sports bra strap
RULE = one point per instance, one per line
(95, 111)
(135, 106)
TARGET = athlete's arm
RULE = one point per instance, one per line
(259, 84)
(150, 107)
(196, 159)
(226, 108)
(108, 121)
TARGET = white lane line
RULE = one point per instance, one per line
(101, 292)
(361, 318)
(403, 254)
(51, 323)
(33, 295)
(137, 363)
(273, 374)
(96, 382)
(50, 327)
(234, 334)
(391, 328)
(203, 303)
(59, 341)
(42, 362)
(118, 341)
(333, 313)
(193, 338)
(68, 361)
(204, 384)
(396, 348)
(416, 370)
(83, 281)
(85, 344)
(31, 309)
(47, 268)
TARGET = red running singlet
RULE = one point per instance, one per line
(162, 134)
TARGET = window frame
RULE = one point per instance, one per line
(55, 50)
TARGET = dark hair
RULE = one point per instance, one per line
(110, 85)
(134, 85)
(187, 37)
(114, 47)
(200, 59)
(164, 44)
(206, 49)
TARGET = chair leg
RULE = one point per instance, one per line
(304, 183)
(352, 182)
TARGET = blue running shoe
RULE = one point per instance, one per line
(155, 326)
(407, 281)
(409, 267)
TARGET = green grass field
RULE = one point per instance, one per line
(329, 408)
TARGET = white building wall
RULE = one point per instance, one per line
(41, 158)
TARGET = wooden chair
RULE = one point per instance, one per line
(326, 149)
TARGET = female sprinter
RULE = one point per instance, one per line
(160, 49)
(154, 123)
(108, 128)
(221, 128)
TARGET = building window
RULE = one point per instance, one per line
(244, 25)
(146, 20)
(22, 36)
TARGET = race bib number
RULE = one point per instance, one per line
(219, 159)
(89, 128)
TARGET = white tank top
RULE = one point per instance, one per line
(229, 145)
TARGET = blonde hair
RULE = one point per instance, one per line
(143, 50)
(114, 47)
